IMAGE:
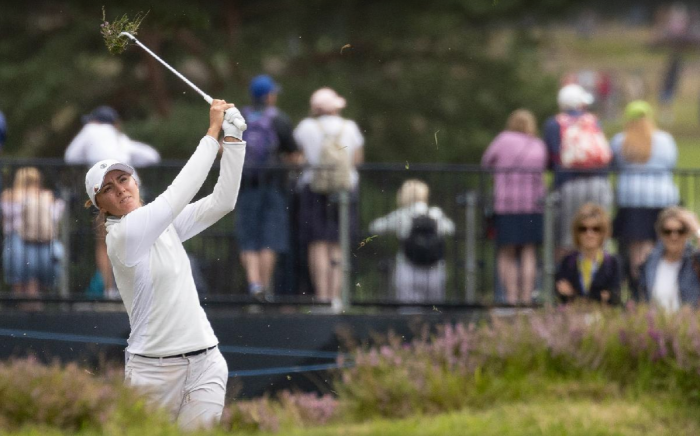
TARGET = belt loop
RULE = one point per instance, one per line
(160, 361)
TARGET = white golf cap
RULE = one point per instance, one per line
(96, 175)
(573, 96)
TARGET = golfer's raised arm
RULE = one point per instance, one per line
(191, 178)
(145, 224)
(200, 215)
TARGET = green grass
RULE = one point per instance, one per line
(644, 415)
(548, 417)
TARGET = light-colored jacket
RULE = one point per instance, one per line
(400, 220)
(150, 265)
(96, 142)
(648, 184)
(413, 283)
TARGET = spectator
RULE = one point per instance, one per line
(101, 138)
(262, 222)
(420, 271)
(645, 158)
(519, 158)
(589, 272)
(576, 187)
(322, 136)
(31, 251)
(671, 79)
(669, 276)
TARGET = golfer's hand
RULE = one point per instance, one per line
(216, 117)
(234, 125)
(605, 296)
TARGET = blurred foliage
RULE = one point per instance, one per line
(412, 69)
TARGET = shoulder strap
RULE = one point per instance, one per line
(323, 131)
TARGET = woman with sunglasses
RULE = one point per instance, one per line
(669, 276)
(589, 272)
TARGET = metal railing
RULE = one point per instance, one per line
(463, 193)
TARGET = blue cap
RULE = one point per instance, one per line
(102, 114)
(262, 85)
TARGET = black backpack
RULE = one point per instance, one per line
(423, 246)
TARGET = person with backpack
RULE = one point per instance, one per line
(420, 271)
(262, 222)
(517, 158)
(332, 147)
(32, 250)
(579, 153)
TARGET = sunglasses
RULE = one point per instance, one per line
(584, 229)
(680, 232)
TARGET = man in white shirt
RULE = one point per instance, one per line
(101, 138)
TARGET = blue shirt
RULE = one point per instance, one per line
(648, 184)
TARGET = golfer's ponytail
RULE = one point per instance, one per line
(101, 217)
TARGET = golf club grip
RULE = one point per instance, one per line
(238, 123)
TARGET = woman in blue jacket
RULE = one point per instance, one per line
(669, 276)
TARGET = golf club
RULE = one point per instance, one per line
(241, 125)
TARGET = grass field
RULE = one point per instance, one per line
(643, 416)
(647, 414)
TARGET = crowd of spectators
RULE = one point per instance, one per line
(654, 257)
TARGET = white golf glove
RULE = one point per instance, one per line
(234, 124)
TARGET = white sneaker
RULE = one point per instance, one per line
(336, 305)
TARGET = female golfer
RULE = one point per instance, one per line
(171, 352)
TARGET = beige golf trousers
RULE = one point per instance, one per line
(191, 389)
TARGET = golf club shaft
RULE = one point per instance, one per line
(184, 79)
(206, 96)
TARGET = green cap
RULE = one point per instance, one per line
(638, 109)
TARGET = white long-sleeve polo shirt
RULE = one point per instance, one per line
(150, 265)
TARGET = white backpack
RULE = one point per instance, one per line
(335, 169)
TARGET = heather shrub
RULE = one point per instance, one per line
(286, 410)
(69, 398)
(587, 350)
